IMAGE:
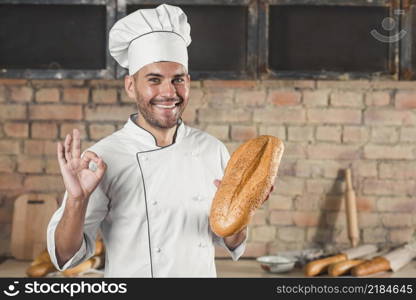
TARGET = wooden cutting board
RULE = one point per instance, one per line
(31, 216)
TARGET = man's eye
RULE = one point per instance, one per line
(154, 79)
(178, 79)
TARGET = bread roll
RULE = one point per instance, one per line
(40, 270)
(375, 265)
(86, 265)
(247, 180)
(316, 267)
(343, 267)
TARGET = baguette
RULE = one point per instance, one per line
(40, 269)
(248, 178)
(316, 267)
(375, 265)
(86, 265)
(343, 267)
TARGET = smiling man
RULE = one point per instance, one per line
(148, 186)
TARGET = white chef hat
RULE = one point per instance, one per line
(151, 35)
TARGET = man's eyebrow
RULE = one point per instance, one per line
(153, 74)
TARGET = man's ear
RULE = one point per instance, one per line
(129, 85)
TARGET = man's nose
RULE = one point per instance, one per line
(167, 89)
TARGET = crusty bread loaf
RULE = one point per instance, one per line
(316, 267)
(248, 178)
(40, 269)
(375, 265)
(343, 267)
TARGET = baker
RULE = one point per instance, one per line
(148, 187)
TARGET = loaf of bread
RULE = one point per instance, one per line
(248, 178)
(316, 267)
(93, 262)
(40, 269)
(375, 265)
(343, 267)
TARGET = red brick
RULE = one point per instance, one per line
(57, 82)
(300, 133)
(27, 164)
(104, 96)
(98, 131)
(249, 98)
(319, 235)
(39, 147)
(325, 186)
(21, 94)
(229, 83)
(76, 95)
(386, 117)
(106, 83)
(221, 115)
(374, 235)
(52, 166)
(344, 84)
(295, 150)
(287, 185)
(3, 94)
(55, 112)
(335, 219)
(219, 131)
(405, 100)
(279, 202)
(365, 203)
(220, 98)
(291, 234)
(288, 83)
(408, 134)
(346, 99)
(7, 81)
(12, 112)
(67, 128)
(47, 95)
(189, 115)
(263, 233)
(355, 134)
(277, 131)
(243, 132)
(308, 168)
(281, 115)
(9, 147)
(109, 113)
(402, 235)
(397, 204)
(196, 97)
(368, 220)
(10, 181)
(389, 187)
(398, 170)
(44, 130)
(284, 98)
(388, 152)
(394, 84)
(334, 115)
(333, 151)
(281, 217)
(254, 249)
(394, 220)
(384, 135)
(19, 130)
(124, 98)
(259, 217)
(365, 168)
(329, 133)
(7, 164)
(380, 98)
(43, 183)
(306, 218)
(315, 98)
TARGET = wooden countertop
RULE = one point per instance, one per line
(243, 268)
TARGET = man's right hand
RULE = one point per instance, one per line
(79, 180)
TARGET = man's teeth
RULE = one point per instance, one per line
(165, 106)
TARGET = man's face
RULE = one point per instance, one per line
(161, 91)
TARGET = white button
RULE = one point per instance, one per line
(198, 198)
(202, 245)
(158, 250)
(154, 202)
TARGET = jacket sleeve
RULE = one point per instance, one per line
(96, 211)
(239, 251)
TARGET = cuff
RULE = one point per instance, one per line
(237, 252)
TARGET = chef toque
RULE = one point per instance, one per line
(150, 35)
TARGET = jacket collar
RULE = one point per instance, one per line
(146, 137)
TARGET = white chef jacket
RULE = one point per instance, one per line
(153, 205)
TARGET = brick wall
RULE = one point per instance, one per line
(326, 126)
